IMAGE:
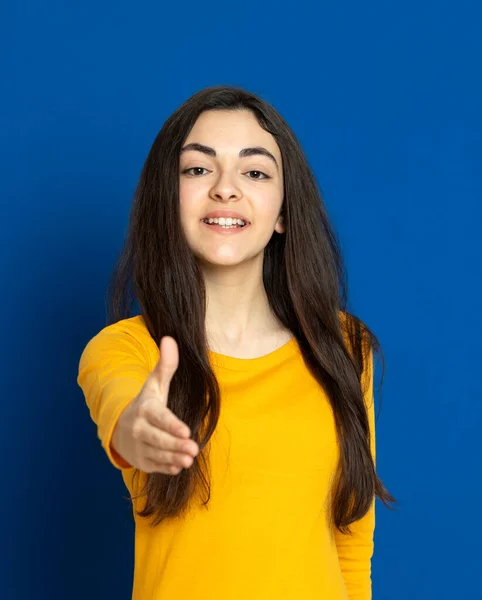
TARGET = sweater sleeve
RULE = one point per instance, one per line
(355, 551)
(112, 370)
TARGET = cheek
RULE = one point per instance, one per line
(186, 201)
(182, 195)
(190, 194)
(269, 206)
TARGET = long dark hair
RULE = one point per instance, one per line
(306, 284)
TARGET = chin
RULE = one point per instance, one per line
(225, 257)
(212, 261)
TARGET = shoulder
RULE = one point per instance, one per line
(126, 338)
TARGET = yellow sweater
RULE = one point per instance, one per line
(265, 534)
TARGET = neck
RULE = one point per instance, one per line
(237, 308)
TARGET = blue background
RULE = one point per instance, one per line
(385, 98)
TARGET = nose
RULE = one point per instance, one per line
(225, 189)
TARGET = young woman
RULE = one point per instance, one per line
(239, 405)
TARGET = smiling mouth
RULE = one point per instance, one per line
(225, 229)
(225, 223)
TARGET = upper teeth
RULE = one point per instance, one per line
(225, 221)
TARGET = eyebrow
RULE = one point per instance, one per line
(242, 153)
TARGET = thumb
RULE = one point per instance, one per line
(166, 366)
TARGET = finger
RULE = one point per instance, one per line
(160, 377)
(166, 457)
(162, 440)
(167, 364)
(151, 466)
(165, 419)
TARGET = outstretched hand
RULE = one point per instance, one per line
(148, 435)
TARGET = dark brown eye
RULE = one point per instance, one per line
(194, 169)
(260, 173)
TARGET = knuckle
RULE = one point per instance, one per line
(153, 438)
(137, 429)
(159, 440)
(155, 414)
(168, 457)
(167, 443)
(181, 446)
(163, 415)
(151, 454)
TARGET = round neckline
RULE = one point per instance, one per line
(274, 357)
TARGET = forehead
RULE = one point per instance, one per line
(229, 130)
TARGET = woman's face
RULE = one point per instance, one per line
(228, 175)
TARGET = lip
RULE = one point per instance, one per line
(218, 229)
(217, 214)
